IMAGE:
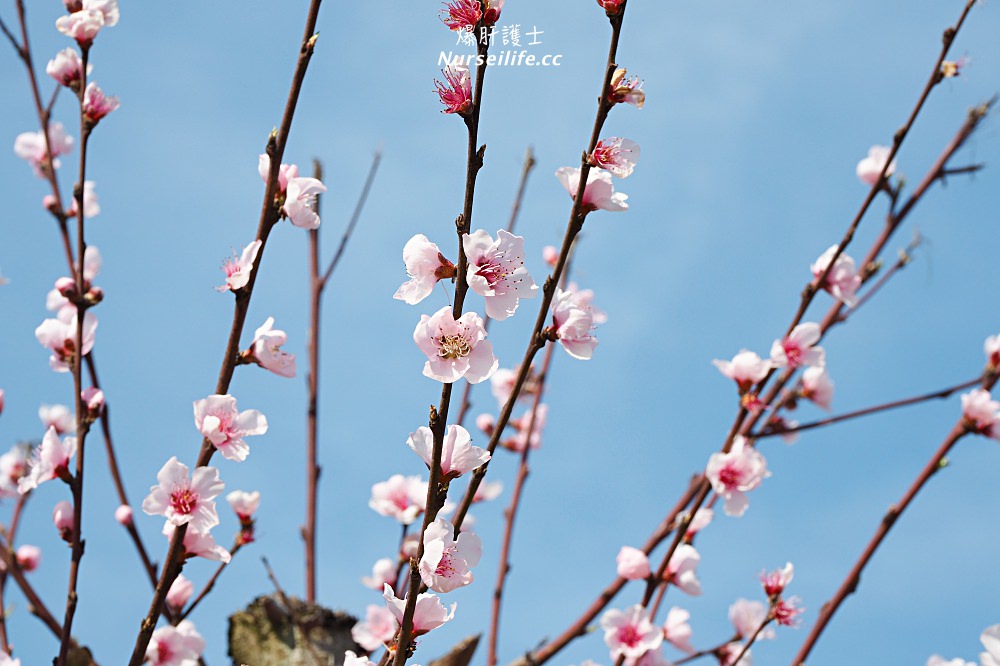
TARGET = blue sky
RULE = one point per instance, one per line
(754, 121)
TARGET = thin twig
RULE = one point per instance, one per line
(293, 615)
(209, 585)
(355, 216)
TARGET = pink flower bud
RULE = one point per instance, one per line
(550, 253)
(93, 400)
(633, 564)
(96, 104)
(776, 581)
(611, 7)
(179, 593)
(62, 517)
(66, 68)
(28, 557)
(123, 515)
(486, 423)
(66, 287)
(2, 396)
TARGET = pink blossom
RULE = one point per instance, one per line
(93, 400)
(96, 104)
(266, 350)
(776, 581)
(60, 338)
(727, 655)
(677, 631)
(244, 504)
(991, 641)
(953, 68)
(788, 612)
(13, 466)
(550, 253)
(429, 613)
(843, 280)
(383, 571)
(91, 205)
(487, 423)
(992, 349)
(938, 660)
(747, 616)
(497, 272)
(183, 500)
(458, 456)
(377, 629)
(198, 544)
(799, 348)
(461, 14)
(7, 660)
(681, 570)
(296, 194)
(599, 192)
(351, 659)
(62, 518)
(817, 386)
(746, 369)
(702, 518)
(218, 419)
(617, 155)
(981, 413)
(28, 557)
(611, 7)
(58, 417)
(870, 168)
(633, 564)
(455, 349)
(492, 13)
(238, 269)
(50, 460)
(402, 498)
(123, 515)
(585, 299)
(82, 26)
(447, 562)
(31, 146)
(573, 325)
(425, 265)
(175, 646)
(736, 473)
(630, 633)
(626, 90)
(67, 68)
(179, 593)
(456, 91)
(523, 439)
(502, 383)
(487, 490)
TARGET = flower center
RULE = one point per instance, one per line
(183, 501)
(445, 567)
(629, 635)
(453, 346)
(793, 353)
(492, 270)
(730, 476)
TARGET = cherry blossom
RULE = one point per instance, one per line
(702, 518)
(351, 659)
(502, 383)
(585, 299)
(573, 325)
(13, 466)
(123, 515)
(626, 90)
(31, 146)
(296, 194)
(550, 253)
(843, 280)
(787, 612)
(461, 14)
(736, 473)
(799, 348)
(599, 192)
(630, 633)
(96, 105)
(180, 592)
(219, 420)
(497, 272)
(455, 349)
(981, 413)
(633, 564)
(727, 655)
(93, 402)
(747, 616)
(28, 557)
(175, 646)
(56, 416)
(60, 338)
(266, 351)
(238, 269)
(938, 660)
(377, 629)
(992, 349)
(244, 504)
(617, 155)
(67, 68)
(447, 562)
(402, 498)
(870, 168)
(183, 500)
(383, 571)
(428, 614)
(487, 491)
(746, 369)
(7, 660)
(458, 456)
(817, 386)
(492, 13)
(776, 581)
(676, 629)
(952, 68)
(523, 439)
(425, 265)
(456, 90)
(681, 570)
(991, 641)
(612, 7)
(50, 460)
(198, 544)
(62, 518)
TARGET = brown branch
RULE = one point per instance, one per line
(752, 639)
(35, 604)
